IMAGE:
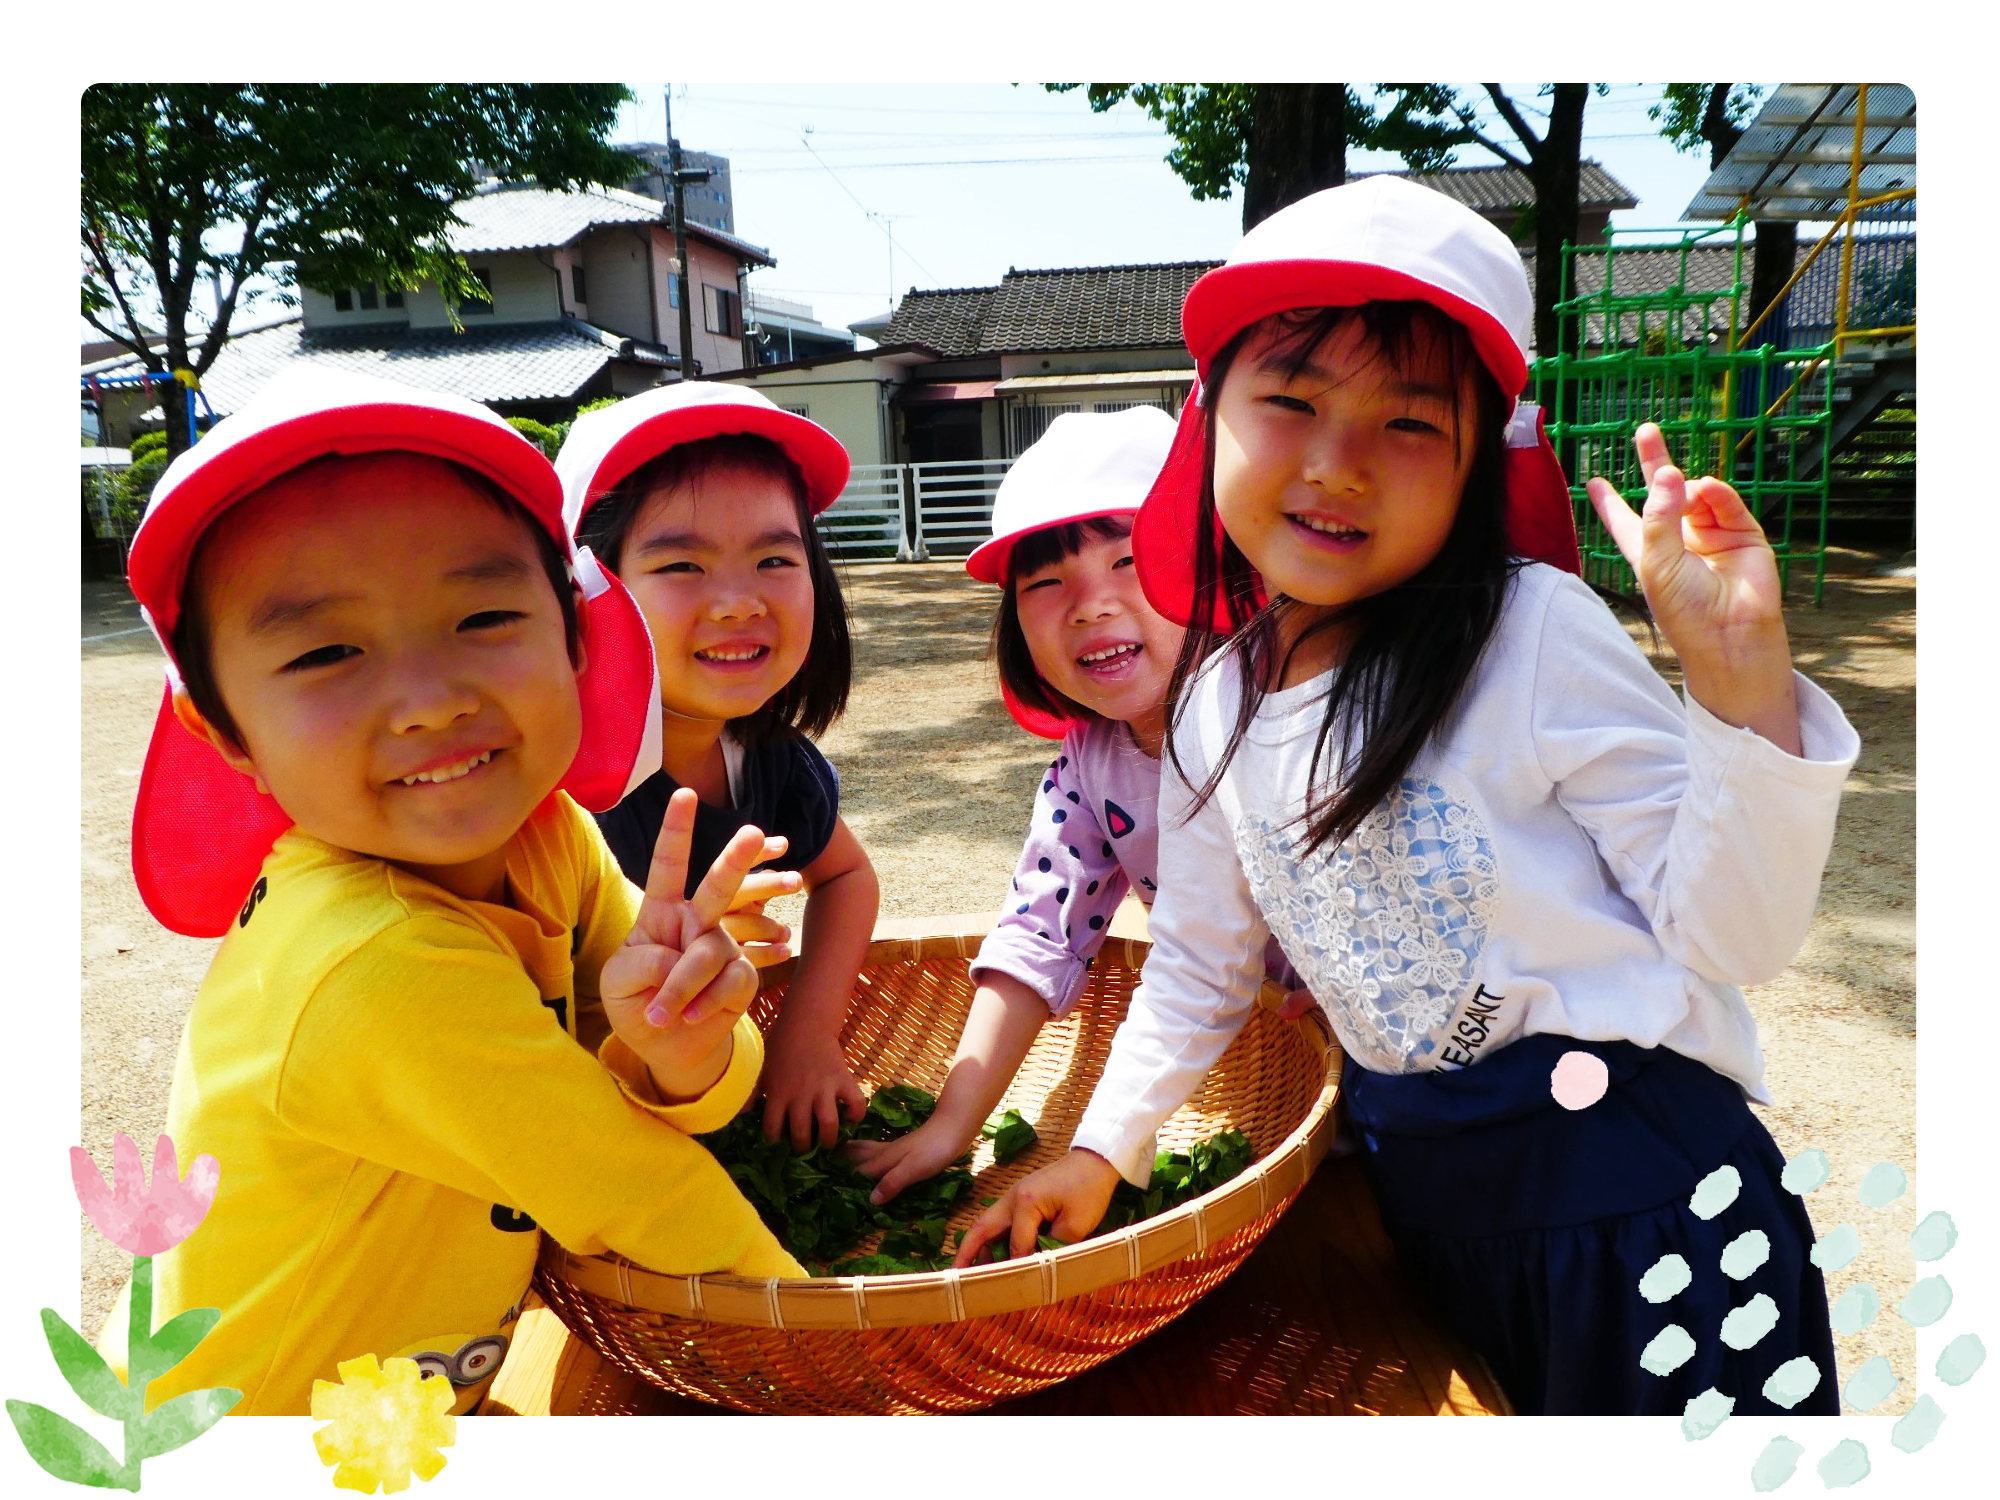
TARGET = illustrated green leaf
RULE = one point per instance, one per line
(182, 1420)
(84, 1368)
(175, 1340)
(65, 1449)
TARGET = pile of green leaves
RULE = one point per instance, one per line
(817, 1204)
(1178, 1177)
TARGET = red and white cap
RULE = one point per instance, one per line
(1379, 239)
(1085, 466)
(606, 445)
(201, 829)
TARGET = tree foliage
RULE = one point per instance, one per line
(1281, 141)
(213, 188)
(1693, 115)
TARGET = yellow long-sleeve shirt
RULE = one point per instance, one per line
(389, 1078)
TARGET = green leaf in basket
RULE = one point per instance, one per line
(1010, 1135)
(1049, 1242)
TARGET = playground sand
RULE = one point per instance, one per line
(936, 781)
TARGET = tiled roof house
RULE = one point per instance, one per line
(583, 305)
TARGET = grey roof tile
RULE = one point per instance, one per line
(506, 216)
(1504, 187)
(508, 362)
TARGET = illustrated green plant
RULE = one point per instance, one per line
(144, 1220)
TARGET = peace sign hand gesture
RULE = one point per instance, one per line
(673, 992)
(1711, 581)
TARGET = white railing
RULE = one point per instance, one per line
(953, 504)
(912, 511)
(866, 522)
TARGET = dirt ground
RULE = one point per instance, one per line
(936, 782)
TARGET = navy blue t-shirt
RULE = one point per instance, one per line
(788, 788)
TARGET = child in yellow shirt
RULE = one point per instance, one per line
(393, 692)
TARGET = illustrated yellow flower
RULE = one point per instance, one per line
(388, 1422)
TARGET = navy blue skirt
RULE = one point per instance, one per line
(1528, 1226)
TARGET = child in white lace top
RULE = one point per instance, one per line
(1477, 822)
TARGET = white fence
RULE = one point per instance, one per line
(912, 512)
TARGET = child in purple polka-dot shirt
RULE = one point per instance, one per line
(1084, 658)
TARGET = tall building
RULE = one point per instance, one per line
(704, 202)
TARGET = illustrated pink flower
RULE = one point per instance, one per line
(138, 1218)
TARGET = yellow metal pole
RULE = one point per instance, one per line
(1847, 216)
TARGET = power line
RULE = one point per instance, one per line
(870, 214)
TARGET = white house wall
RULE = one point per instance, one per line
(524, 291)
(846, 405)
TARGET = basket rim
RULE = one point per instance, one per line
(954, 1294)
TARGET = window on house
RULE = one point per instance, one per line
(368, 296)
(392, 298)
(1031, 421)
(673, 291)
(798, 411)
(576, 291)
(721, 311)
(475, 303)
(343, 300)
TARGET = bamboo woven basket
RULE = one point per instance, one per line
(959, 1340)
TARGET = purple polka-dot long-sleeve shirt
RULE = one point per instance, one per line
(1094, 835)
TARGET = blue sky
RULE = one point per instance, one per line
(975, 178)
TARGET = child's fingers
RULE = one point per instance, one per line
(754, 927)
(826, 1113)
(1619, 520)
(760, 886)
(1651, 445)
(694, 972)
(1295, 1004)
(724, 879)
(853, 1098)
(666, 876)
(996, 1220)
(1661, 542)
(637, 970)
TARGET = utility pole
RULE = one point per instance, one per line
(676, 178)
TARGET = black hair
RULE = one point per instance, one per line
(1412, 648)
(194, 647)
(1016, 664)
(817, 693)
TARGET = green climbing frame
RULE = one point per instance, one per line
(1658, 336)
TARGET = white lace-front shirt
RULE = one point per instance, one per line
(1581, 855)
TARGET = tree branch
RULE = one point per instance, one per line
(115, 336)
(95, 241)
(1530, 142)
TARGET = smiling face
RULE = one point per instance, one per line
(1095, 639)
(718, 566)
(1338, 476)
(388, 643)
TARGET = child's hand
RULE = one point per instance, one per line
(808, 1088)
(1711, 581)
(765, 940)
(673, 991)
(1295, 1004)
(1070, 1196)
(924, 1152)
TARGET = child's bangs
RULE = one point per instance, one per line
(1041, 549)
(1407, 340)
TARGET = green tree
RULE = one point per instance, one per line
(1281, 141)
(1553, 164)
(328, 185)
(1694, 115)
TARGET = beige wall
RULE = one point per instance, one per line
(845, 398)
(321, 313)
(524, 291)
(614, 263)
(1096, 362)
